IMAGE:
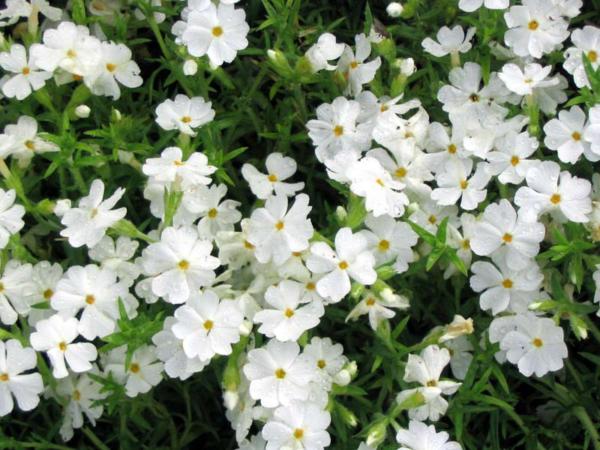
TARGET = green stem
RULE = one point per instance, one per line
(584, 418)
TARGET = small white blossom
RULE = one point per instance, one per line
(184, 114)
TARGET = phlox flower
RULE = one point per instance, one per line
(420, 436)
(171, 168)
(279, 169)
(592, 131)
(351, 258)
(449, 41)
(87, 223)
(184, 114)
(378, 307)
(550, 190)
(278, 374)
(143, 372)
(354, 67)
(11, 216)
(55, 336)
(276, 232)
(179, 264)
(16, 9)
(27, 76)
(324, 50)
(116, 255)
(216, 215)
(328, 359)
(509, 159)
(17, 291)
(25, 387)
(586, 42)
(524, 81)
(565, 135)
(25, 141)
(207, 326)
(457, 181)
(287, 314)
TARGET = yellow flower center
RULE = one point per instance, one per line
(208, 325)
(71, 53)
(338, 130)
(383, 245)
(288, 313)
(507, 238)
(212, 213)
(537, 342)
(217, 31)
(62, 346)
(474, 98)
(401, 172)
(432, 383)
(507, 283)
(452, 149)
(354, 64)
(370, 301)
(379, 181)
(134, 368)
(533, 25)
(48, 293)
(280, 374)
(111, 67)
(248, 245)
(576, 136)
(76, 395)
(310, 286)
(3, 377)
(30, 145)
(272, 178)
(592, 56)
(90, 299)
(183, 264)
(464, 184)
(26, 71)
(432, 219)
(321, 364)
(555, 199)
(466, 244)
(279, 226)
(515, 160)
(343, 265)
(186, 119)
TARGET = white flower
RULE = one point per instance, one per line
(537, 345)
(500, 227)
(456, 181)
(279, 169)
(217, 31)
(449, 41)
(25, 141)
(27, 76)
(504, 287)
(68, 47)
(336, 130)
(378, 307)
(15, 9)
(179, 264)
(184, 114)
(390, 240)
(83, 394)
(394, 9)
(587, 42)
(354, 68)
(420, 436)
(460, 351)
(429, 215)
(216, 215)
(351, 258)
(278, 373)
(592, 131)
(143, 372)
(565, 135)
(324, 50)
(17, 291)
(44, 277)
(509, 161)
(169, 349)
(96, 292)
(87, 223)
(277, 232)
(328, 358)
(115, 255)
(11, 216)
(382, 193)
(535, 28)
(524, 81)
(207, 325)
(288, 315)
(170, 168)
(114, 66)
(55, 336)
(426, 369)
(26, 388)
(299, 426)
(473, 5)
(549, 189)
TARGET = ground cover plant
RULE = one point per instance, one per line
(300, 224)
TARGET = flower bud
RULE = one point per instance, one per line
(190, 68)
(458, 327)
(342, 378)
(83, 111)
(377, 433)
(61, 207)
(394, 9)
(230, 399)
(245, 328)
(341, 214)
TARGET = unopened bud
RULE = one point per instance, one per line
(245, 328)
(83, 111)
(458, 327)
(230, 399)
(394, 9)
(377, 433)
(190, 67)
